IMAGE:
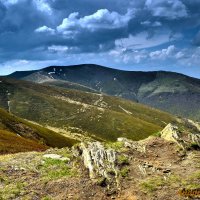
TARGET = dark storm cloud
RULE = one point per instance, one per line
(87, 7)
(38, 29)
(196, 40)
(29, 24)
(2, 11)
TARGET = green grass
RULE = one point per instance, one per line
(124, 172)
(47, 198)
(38, 103)
(150, 185)
(157, 134)
(12, 143)
(122, 160)
(69, 85)
(53, 169)
(164, 90)
(12, 125)
(117, 146)
(12, 190)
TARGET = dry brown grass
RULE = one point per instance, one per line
(12, 143)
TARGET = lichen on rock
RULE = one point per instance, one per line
(138, 146)
(183, 138)
(101, 163)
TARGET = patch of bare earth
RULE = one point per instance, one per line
(160, 172)
(157, 174)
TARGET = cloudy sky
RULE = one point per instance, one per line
(126, 34)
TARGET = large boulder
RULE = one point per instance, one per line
(183, 138)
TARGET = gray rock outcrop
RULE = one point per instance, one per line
(183, 138)
(99, 160)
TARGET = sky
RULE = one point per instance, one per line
(141, 35)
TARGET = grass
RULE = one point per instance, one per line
(53, 169)
(69, 85)
(157, 134)
(12, 143)
(12, 190)
(32, 171)
(150, 185)
(117, 146)
(124, 172)
(122, 160)
(163, 90)
(38, 103)
(47, 198)
(28, 136)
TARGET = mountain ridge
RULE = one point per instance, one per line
(168, 91)
(27, 72)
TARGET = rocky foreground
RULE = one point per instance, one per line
(158, 167)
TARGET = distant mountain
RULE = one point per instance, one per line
(79, 114)
(17, 135)
(168, 91)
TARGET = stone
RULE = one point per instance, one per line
(132, 144)
(183, 139)
(97, 159)
(101, 163)
(56, 157)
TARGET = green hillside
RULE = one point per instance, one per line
(19, 135)
(89, 114)
(69, 85)
(12, 143)
(167, 91)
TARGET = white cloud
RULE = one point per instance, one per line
(145, 23)
(45, 29)
(163, 54)
(58, 48)
(153, 24)
(8, 3)
(179, 55)
(102, 19)
(141, 40)
(191, 57)
(24, 65)
(156, 24)
(43, 6)
(171, 9)
(122, 55)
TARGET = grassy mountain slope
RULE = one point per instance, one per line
(12, 143)
(168, 91)
(69, 85)
(19, 135)
(76, 112)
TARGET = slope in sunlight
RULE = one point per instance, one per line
(167, 91)
(76, 113)
(19, 135)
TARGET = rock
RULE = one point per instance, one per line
(97, 159)
(142, 170)
(56, 157)
(183, 139)
(167, 171)
(132, 144)
(194, 138)
(101, 163)
(170, 133)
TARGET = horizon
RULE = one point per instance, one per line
(149, 35)
(110, 67)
